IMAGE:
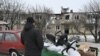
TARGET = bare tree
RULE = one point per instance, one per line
(92, 10)
(11, 10)
(41, 15)
(80, 25)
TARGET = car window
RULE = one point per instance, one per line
(10, 37)
(1, 36)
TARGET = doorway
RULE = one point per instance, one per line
(66, 31)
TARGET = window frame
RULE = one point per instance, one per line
(2, 37)
(12, 40)
(57, 27)
(77, 17)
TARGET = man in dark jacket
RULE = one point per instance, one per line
(32, 39)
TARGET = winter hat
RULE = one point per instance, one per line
(30, 20)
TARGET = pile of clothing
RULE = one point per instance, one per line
(84, 50)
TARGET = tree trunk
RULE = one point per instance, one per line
(11, 27)
(96, 25)
(85, 38)
(12, 24)
(99, 39)
(96, 41)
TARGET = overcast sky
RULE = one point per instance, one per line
(55, 5)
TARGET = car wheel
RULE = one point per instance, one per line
(14, 53)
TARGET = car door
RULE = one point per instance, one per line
(9, 42)
(1, 41)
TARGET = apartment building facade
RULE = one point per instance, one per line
(68, 23)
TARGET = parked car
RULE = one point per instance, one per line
(10, 43)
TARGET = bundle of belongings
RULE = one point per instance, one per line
(67, 48)
(84, 50)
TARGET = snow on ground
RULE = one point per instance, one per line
(90, 38)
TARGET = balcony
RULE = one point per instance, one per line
(63, 21)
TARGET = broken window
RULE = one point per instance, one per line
(67, 17)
